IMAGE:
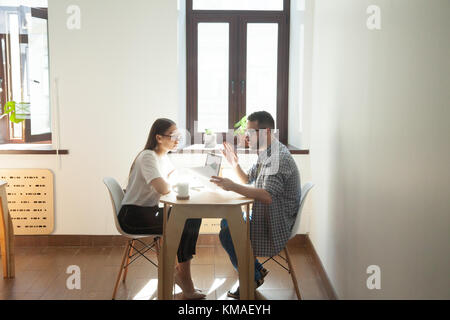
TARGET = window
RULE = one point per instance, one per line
(24, 74)
(237, 62)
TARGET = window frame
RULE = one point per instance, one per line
(238, 20)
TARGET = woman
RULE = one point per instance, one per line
(140, 213)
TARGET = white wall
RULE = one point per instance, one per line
(380, 149)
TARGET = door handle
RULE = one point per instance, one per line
(232, 86)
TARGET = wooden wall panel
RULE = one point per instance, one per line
(30, 200)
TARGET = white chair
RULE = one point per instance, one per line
(305, 190)
(116, 193)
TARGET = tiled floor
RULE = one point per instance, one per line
(41, 274)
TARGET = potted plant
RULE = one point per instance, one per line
(240, 127)
(210, 139)
(18, 111)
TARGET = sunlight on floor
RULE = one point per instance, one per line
(234, 287)
(147, 291)
(216, 284)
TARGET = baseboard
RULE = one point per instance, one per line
(92, 240)
(111, 240)
(319, 266)
(69, 241)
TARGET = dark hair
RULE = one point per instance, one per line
(264, 119)
(160, 126)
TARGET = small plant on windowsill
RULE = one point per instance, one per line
(240, 127)
(210, 139)
(17, 111)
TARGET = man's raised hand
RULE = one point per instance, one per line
(230, 154)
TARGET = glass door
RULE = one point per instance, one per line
(213, 76)
(261, 67)
(211, 81)
(237, 64)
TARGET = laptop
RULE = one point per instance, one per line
(211, 168)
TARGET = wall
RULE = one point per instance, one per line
(379, 147)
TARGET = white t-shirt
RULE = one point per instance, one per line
(148, 166)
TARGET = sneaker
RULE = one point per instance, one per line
(235, 294)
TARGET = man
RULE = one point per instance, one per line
(276, 192)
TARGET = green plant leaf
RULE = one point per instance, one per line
(10, 107)
(241, 122)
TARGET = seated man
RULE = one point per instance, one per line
(276, 192)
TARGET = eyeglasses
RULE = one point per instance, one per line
(173, 137)
(251, 131)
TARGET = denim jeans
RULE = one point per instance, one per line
(227, 244)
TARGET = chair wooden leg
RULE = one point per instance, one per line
(128, 260)
(292, 272)
(121, 268)
(157, 245)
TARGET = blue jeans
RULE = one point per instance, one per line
(227, 244)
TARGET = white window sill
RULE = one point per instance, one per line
(25, 146)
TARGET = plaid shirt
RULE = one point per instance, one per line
(271, 225)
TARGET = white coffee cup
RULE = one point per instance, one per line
(182, 189)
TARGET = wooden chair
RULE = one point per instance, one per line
(6, 235)
(116, 193)
(287, 258)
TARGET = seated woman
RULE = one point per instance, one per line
(140, 213)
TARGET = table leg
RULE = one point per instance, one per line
(238, 231)
(251, 261)
(174, 228)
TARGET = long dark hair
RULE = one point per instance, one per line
(160, 126)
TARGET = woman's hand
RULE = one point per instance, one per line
(230, 154)
(224, 183)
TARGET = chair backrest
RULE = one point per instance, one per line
(116, 193)
(305, 190)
